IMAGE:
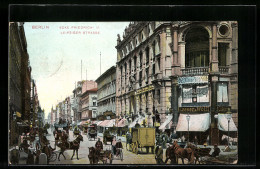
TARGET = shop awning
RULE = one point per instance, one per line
(98, 122)
(138, 120)
(166, 122)
(111, 123)
(107, 123)
(223, 123)
(197, 122)
(122, 123)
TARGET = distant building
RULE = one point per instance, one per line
(88, 100)
(106, 94)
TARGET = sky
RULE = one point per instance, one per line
(55, 55)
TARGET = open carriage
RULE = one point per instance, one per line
(92, 132)
(107, 137)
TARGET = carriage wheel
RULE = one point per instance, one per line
(121, 155)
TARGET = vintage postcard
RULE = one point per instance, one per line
(139, 92)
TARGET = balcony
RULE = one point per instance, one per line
(195, 71)
(223, 69)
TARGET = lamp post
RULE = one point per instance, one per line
(229, 116)
(188, 119)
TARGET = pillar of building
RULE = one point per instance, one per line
(214, 132)
(175, 73)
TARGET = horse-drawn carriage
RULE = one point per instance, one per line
(92, 132)
(107, 137)
(104, 155)
(143, 138)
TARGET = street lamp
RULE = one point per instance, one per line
(229, 116)
(188, 119)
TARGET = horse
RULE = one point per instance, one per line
(128, 141)
(72, 145)
(194, 149)
(96, 155)
(170, 155)
(182, 153)
(93, 159)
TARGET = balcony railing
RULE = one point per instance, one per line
(195, 71)
(223, 69)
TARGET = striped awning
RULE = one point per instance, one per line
(107, 123)
(166, 122)
(138, 120)
(223, 123)
(197, 122)
(122, 123)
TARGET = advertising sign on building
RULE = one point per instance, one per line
(193, 79)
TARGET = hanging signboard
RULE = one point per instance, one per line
(193, 79)
(194, 109)
(223, 109)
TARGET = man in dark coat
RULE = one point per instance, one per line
(30, 158)
(216, 151)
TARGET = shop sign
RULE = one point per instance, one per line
(194, 109)
(145, 89)
(223, 109)
(193, 80)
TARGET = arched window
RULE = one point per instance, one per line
(197, 48)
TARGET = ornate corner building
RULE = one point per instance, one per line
(169, 71)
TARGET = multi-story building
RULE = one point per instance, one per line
(34, 103)
(187, 70)
(204, 77)
(14, 79)
(88, 100)
(106, 94)
(75, 106)
(143, 73)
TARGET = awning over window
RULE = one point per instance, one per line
(98, 122)
(197, 122)
(138, 120)
(107, 123)
(122, 123)
(166, 122)
(223, 123)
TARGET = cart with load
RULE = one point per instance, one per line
(92, 131)
(143, 138)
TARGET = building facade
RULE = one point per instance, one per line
(88, 100)
(106, 94)
(143, 73)
(184, 73)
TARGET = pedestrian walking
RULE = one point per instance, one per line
(114, 145)
(43, 159)
(159, 155)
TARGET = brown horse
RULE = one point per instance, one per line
(196, 154)
(93, 159)
(183, 153)
(72, 145)
(170, 155)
